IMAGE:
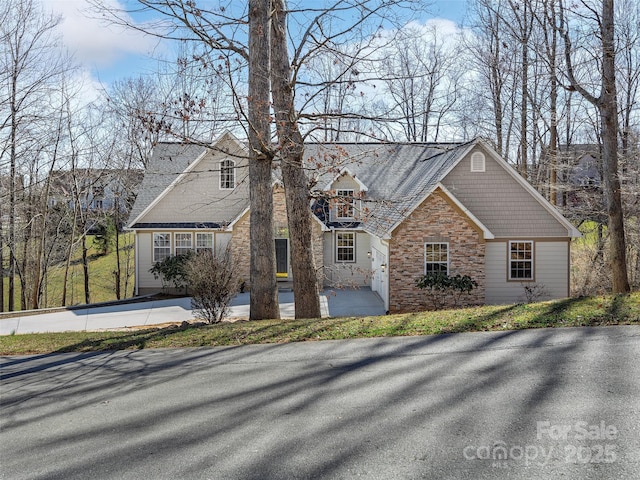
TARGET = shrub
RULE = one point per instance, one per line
(172, 270)
(439, 284)
(213, 283)
(533, 291)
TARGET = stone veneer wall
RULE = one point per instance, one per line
(240, 246)
(435, 220)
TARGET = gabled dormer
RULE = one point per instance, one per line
(345, 193)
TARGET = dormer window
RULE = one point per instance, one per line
(227, 175)
(477, 162)
(344, 207)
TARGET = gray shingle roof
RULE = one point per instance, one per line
(168, 161)
(397, 175)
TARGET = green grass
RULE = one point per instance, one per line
(101, 279)
(588, 311)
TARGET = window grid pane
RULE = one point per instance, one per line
(345, 247)
(521, 260)
(204, 241)
(227, 175)
(184, 243)
(345, 203)
(161, 246)
(436, 258)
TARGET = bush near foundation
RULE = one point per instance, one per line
(438, 285)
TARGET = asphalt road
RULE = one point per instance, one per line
(561, 403)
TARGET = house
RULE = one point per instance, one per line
(384, 215)
(97, 190)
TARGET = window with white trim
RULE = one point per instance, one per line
(345, 247)
(521, 260)
(204, 242)
(227, 175)
(477, 162)
(344, 206)
(436, 257)
(161, 246)
(184, 243)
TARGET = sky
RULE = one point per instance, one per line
(107, 53)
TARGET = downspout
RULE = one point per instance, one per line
(135, 273)
(387, 292)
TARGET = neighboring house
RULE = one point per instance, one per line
(580, 184)
(385, 214)
(98, 190)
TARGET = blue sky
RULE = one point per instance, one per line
(107, 53)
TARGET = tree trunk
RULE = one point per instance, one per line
(608, 106)
(291, 147)
(264, 289)
(85, 266)
(1, 261)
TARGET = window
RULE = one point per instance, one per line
(227, 174)
(344, 208)
(184, 243)
(161, 246)
(477, 162)
(345, 247)
(204, 241)
(521, 260)
(436, 258)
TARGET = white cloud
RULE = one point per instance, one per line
(93, 41)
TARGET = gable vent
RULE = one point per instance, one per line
(477, 162)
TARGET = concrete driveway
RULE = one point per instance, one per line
(333, 303)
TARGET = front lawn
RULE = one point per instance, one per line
(572, 312)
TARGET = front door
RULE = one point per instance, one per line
(282, 258)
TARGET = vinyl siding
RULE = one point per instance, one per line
(551, 270)
(145, 262)
(198, 197)
(146, 282)
(500, 202)
(341, 274)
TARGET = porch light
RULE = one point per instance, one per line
(383, 267)
(368, 254)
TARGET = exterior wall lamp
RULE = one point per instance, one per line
(368, 254)
(383, 267)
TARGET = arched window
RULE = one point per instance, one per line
(227, 174)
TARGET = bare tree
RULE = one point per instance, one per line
(33, 68)
(607, 104)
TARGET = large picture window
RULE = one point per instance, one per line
(344, 207)
(161, 246)
(521, 260)
(204, 242)
(227, 175)
(184, 243)
(345, 246)
(436, 258)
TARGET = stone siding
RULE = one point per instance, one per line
(241, 246)
(435, 220)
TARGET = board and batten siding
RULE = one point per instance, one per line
(551, 271)
(500, 202)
